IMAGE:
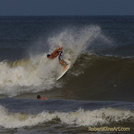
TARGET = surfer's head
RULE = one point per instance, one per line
(38, 96)
(48, 55)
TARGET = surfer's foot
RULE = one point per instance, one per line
(64, 69)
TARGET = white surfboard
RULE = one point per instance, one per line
(68, 66)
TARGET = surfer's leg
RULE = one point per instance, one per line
(60, 60)
(63, 64)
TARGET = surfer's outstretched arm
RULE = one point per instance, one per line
(54, 54)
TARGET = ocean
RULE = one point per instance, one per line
(95, 95)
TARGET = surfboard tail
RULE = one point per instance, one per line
(61, 75)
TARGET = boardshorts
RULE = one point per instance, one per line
(60, 55)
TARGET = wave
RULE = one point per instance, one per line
(80, 45)
(93, 75)
(38, 73)
(78, 118)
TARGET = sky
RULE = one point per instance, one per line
(66, 7)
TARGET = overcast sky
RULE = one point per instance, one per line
(66, 7)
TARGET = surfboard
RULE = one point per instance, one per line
(68, 66)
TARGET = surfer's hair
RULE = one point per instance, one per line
(48, 55)
(38, 96)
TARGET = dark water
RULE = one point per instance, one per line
(97, 91)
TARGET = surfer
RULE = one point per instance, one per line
(55, 54)
(41, 98)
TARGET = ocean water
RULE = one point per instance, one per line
(96, 92)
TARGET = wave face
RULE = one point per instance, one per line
(102, 78)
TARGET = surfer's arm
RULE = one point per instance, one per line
(43, 98)
(55, 53)
(60, 48)
(57, 50)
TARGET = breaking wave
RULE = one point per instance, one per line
(39, 73)
(78, 118)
